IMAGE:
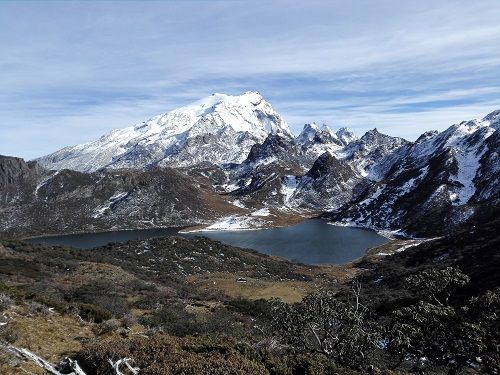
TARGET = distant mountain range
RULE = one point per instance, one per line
(233, 155)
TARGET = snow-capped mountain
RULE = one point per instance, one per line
(346, 136)
(317, 141)
(339, 171)
(238, 149)
(326, 186)
(366, 153)
(433, 183)
(315, 171)
(218, 129)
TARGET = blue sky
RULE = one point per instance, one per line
(71, 71)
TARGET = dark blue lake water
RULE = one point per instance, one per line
(310, 242)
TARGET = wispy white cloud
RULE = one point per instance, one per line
(71, 71)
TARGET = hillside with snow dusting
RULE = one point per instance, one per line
(241, 156)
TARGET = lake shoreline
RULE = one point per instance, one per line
(311, 241)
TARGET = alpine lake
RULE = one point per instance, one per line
(311, 241)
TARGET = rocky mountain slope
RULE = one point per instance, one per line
(434, 183)
(36, 201)
(318, 170)
(227, 154)
(429, 186)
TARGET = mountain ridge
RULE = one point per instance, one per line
(176, 137)
(239, 148)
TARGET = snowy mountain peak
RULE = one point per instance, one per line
(219, 129)
(308, 133)
(346, 135)
(247, 112)
(495, 115)
(318, 140)
(493, 118)
(312, 131)
(427, 135)
(327, 130)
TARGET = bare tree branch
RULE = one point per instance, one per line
(46, 365)
(124, 361)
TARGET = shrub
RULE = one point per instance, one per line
(448, 335)
(259, 308)
(310, 364)
(8, 334)
(482, 317)
(36, 308)
(12, 292)
(324, 324)
(172, 319)
(57, 304)
(92, 313)
(5, 302)
(138, 285)
(102, 294)
(222, 322)
(115, 304)
(106, 327)
(163, 354)
(129, 320)
(436, 285)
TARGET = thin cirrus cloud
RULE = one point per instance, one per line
(71, 71)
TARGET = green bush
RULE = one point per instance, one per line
(259, 308)
(106, 327)
(307, 364)
(36, 308)
(8, 334)
(172, 319)
(322, 323)
(92, 313)
(58, 305)
(163, 354)
(5, 302)
(138, 285)
(102, 294)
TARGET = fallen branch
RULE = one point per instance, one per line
(124, 361)
(46, 365)
(72, 364)
(75, 367)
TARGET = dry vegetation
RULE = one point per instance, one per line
(200, 307)
(161, 287)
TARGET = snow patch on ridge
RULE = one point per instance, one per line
(235, 223)
(99, 212)
(288, 188)
(468, 165)
(409, 185)
(262, 212)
